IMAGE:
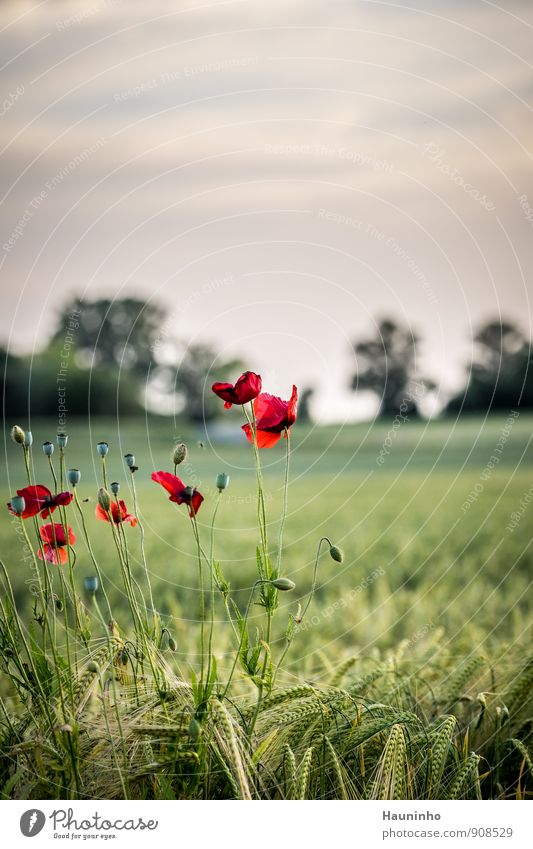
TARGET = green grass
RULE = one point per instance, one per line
(430, 608)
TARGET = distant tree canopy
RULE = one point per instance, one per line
(112, 333)
(103, 358)
(386, 365)
(501, 373)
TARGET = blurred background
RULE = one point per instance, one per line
(336, 195)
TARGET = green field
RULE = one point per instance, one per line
(432, 566)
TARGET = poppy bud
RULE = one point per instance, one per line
(48, 449)
(194, 730)
(73, 476)
(18, 504)
(102, 448)
(130, 460)
(336, 553)
(91, 584)
(115, 488)
(17, 435)
(172, 644)
(92, 666)
(28, 439)
(61, 440)
(179, 454)
(104, 499)
(284, 584)
(59, 605)
(222, 481)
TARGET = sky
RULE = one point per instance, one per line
(279, 175)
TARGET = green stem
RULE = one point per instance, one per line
(243, 632)
(143, 552)
(117, 709)
(285, 498)
(309, 600)
(212, 588)
(202, 599)
(90, 550)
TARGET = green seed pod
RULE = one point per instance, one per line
(61, 440)
(195, 729)
(179, 454)
(222, 481)
(59, 605)
(28, 439)
(102, 448)
(172, 644)
(90, 584)
(336, 553)
(104, 499)
(73, 476)
(18, 504)
(17, 435)
(115, 488)
(283, 584)
(48, 449)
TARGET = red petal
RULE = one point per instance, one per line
(270, 411)
(224, 391)
(53, 555)
(196, 501)
(171, 483)
(100, 513)
(265, 438)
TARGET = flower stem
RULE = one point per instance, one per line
(285, 498)
(301, 618)
(202, 599)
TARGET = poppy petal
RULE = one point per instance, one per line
(171, 483)
(265, 438)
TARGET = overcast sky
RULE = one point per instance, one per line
(278, 173)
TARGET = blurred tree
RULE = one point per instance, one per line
(304, 412)
(31, 386)
(501, 373)
(386, 365)
(194, 369)
(112, 333)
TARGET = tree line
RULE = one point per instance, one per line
(120, 356)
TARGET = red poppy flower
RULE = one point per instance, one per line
(247, 387)
(179, 493)
(55, 541)
(119, 513)
(39, 499)
(272, 416)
